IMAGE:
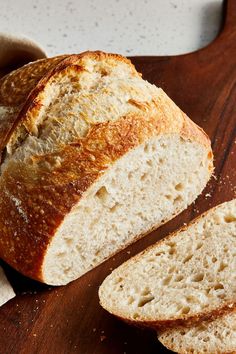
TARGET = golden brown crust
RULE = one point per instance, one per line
(38, 194)
(35, 77)
(193, 320)
(171, 345)
(14, 90)
(185, 321)
(173, 349)
(16, 86)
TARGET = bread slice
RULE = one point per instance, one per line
(216, 337)
(185, 278)
(6, 291)
(96, 158)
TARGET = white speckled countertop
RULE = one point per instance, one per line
(134, 27)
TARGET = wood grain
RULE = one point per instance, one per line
(69, 319)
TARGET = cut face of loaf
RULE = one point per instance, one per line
(96, 158)
(216, 337)
(187, 277)
(142, 190)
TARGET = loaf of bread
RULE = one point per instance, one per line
(93, 157)
(181, 280)
(6, 291)
(215, 337)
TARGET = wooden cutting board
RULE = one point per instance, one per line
(68, 319)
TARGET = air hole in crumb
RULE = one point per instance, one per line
(218, 286)
(145, 300)
(69, 241)
(168, 196)
(179, 278)
(136, 316)
(161, 161)
(164, 146)
(102, 193)
(121, 287)
(97, 252)
(206, 339)
(191, 299)
(171, 270)
(167, 280)
(214, 259)
(103, 72)
(130, 300)
(146, 148)
(66, 270)
(185, 310)
(222, 266)
(144, 177)
(230, 218)
(178, 199)
(179, 187)
(159, 253)
(172, 251)
(187, 258)
(146, 291)
(118, 280)
(199, 245)
(171, 244)
(198, 277)
(149, 163)
(114, 208)
(130, 175)
(61, 254)
(154, 148)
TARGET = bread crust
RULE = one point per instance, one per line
(186, 320)
(14, 90)
(169, 345)
(37, 195)
(173, 349)
(16, 86)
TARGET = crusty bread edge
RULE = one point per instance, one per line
(32, 105)
(171, 347)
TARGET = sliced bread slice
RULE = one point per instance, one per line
(6, 291)
(187, 277)
(216, 337)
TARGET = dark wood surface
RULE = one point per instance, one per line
(69, 319)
